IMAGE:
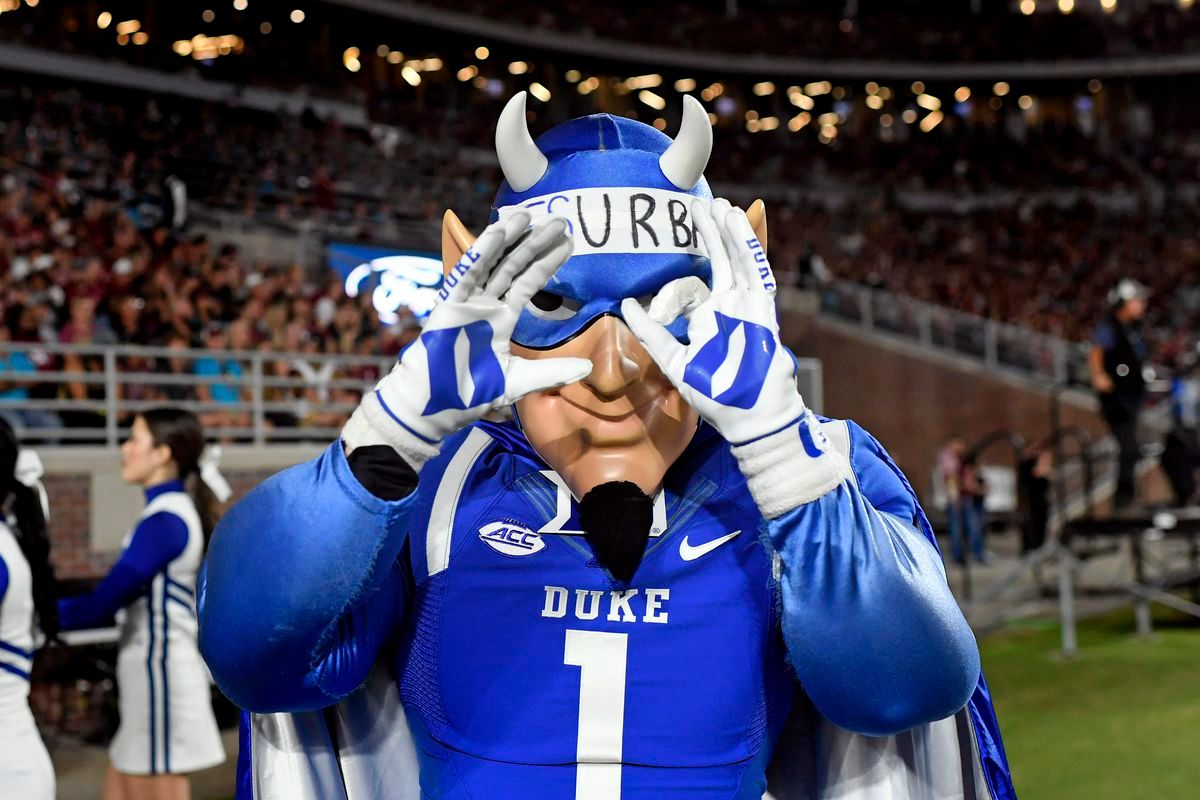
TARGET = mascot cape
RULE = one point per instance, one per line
(625, 188)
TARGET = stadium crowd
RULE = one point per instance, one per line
(87, 254)
(912, 31)
(835, 29)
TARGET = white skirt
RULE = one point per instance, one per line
(25, 768)
(167, 723)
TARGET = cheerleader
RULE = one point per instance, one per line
(167, 725)
(27, 591)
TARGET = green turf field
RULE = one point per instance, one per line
(1120, 721)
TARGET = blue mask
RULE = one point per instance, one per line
(627, 201)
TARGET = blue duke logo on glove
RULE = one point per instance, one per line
(487, 375)
(709, 371)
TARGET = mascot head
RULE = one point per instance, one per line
(626, 190)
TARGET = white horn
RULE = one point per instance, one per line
(684, 162)
(520, 160)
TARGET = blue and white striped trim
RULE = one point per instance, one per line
(15, 660)
(156, 676)
(445, 501)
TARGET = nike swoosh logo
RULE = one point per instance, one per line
(689, 553)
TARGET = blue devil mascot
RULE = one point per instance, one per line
(664, 578)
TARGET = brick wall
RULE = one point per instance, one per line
(70, 520)
(912, 403)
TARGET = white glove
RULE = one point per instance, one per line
(460, 368)
(736, 372)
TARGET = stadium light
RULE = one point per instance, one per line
(918, 87)
(769, 123)
(1111, 5)
(573, 76)
(1029, 6)
(1066, 6)
(764, 88)
(104, 20)
(240, 5)
(208, 15)
(685, 85)
(539, 91)
(140, 38)
(1094, 86)
(929, 102)
(482, 53)
(872, 87)
(265, 28)
(297, 16)
(395, 57)
(801, 100)
(518, 68)
(468, 72)
(799, 121)
(818, 88)
(962, 94)
(1025, 102)
(643, 82)
(931, 121)
(874, 102)
(128, 26)
(651, 99)
(411, 76)
(1000, 89)
(909, 116)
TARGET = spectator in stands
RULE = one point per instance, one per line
(1181, 450)
(1115, 364)
(963, 490)
(13, 392)
(180, 368)
(227, 392)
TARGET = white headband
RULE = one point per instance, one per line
(622, 219)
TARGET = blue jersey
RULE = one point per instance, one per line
(526, 670)
(683, 668)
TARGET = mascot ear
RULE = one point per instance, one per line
(757, 214)
(456, 240)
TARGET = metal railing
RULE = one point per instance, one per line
(89, 394)
(996, 345)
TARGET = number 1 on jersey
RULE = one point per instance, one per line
(601, 658)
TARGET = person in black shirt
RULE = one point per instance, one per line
(1115, 364)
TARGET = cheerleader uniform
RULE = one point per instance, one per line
(167, 723)
(25, 768)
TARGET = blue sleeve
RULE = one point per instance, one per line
(303, 585)
(1105, 338)
(3, 579)
(874, 633)
(157, 541)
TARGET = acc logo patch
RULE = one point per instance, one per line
(511, 539)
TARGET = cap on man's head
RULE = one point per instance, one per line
(1127, 289)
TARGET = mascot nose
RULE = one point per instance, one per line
(614, 355)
